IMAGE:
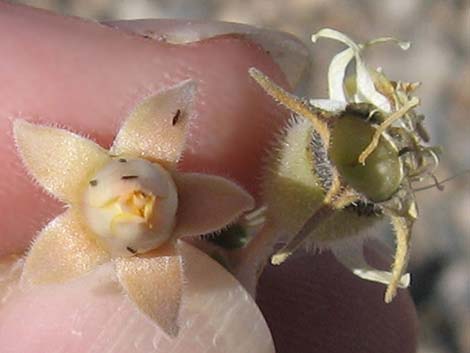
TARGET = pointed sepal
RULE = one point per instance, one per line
(63, 250)
(59, 160)
(157, 128)
(155, 286)
(208, 203)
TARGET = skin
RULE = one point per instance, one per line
(310, 303)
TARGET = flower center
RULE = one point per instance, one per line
(134, 207)
(130, 205)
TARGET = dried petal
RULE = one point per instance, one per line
(351, 255)
(337, 73)
(365, 87)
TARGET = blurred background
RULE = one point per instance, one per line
(439, 57)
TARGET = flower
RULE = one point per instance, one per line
(361, 88)
(369, 86)
(343, 163)
(128, 205)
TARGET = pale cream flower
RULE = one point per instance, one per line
(128, 205)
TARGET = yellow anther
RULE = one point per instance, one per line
(134, 207)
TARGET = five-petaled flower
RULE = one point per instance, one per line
(128, 205)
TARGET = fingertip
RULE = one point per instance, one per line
(329, 309)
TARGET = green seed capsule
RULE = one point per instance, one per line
(382, 175)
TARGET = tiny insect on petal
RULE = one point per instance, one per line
(156, 129)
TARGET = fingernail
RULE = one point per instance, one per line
(288, 52)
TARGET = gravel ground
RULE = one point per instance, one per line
(440, 58)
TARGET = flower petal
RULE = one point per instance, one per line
(61, 161)
(336, 35)
(329, 105)
(208, 203)
(63, 250)
(351, 255)
(157, 127)
(366, 90)
(337, 73)
(155, 286)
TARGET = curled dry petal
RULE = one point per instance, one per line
(337, 73)
(365, 87)
(155, 285)
(351, 255)
(157, 127)
(329, 105)
(61, 161)
(208, 203)
(63, 250)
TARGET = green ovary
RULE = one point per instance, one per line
(381, 175)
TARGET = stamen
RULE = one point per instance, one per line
(382, 127)
(441, 182)
(435, 159)
(438, 185)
